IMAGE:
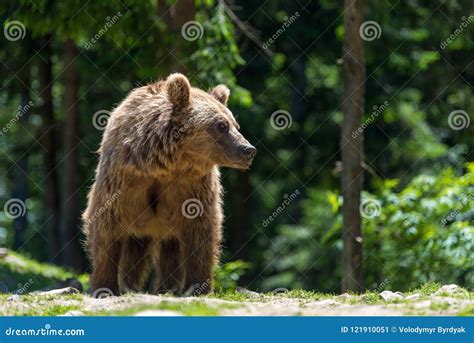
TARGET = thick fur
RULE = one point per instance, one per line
(157, 152)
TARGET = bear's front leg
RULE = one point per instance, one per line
(135, 263)
(170, 275)
(201, 247)
(105, 255)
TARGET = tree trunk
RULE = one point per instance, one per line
(71, 253)
(352, 148)
(175, 17)
(20, 170)
(48, 142)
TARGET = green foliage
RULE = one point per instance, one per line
(429, 219)
(218, 55)
(20, 274)
(227, 275)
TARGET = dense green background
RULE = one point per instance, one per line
(417, 167)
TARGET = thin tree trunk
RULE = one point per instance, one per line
(175, 17)
(20, 170)
(352, 148)
(70, 228)
(48, 142)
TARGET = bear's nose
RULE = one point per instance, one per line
(249, 151)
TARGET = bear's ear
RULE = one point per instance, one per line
(221, 93)
(178, 89)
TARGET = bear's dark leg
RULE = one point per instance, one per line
(105, 255)
(200, 257)
(170, 267)
(135, 262)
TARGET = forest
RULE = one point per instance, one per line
(364, 176)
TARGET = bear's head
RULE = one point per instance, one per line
(204, 127)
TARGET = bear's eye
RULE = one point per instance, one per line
(223, 127)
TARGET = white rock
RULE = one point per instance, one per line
(450, 289)
(60, 291)
(413, 296)
(390, 296)
(13, 297)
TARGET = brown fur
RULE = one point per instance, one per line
(161, 148)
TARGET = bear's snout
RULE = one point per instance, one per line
(248, 152)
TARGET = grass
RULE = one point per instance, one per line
(39, 305)
(427, 289)
(19, 274)
(467, 311)
(233, 295)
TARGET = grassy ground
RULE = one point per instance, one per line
(21, 276)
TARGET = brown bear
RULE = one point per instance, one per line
(157, 198)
